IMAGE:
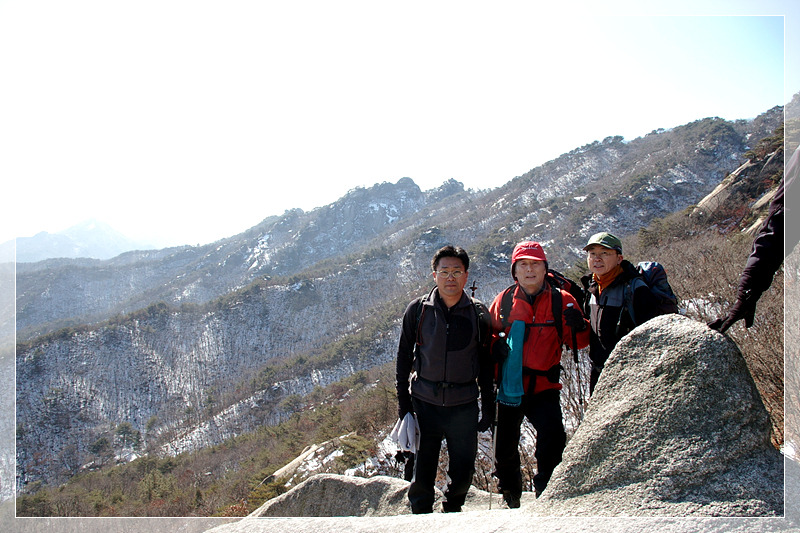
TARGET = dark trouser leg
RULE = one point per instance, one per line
(543, 410)
(408, 469)
(420, 493)
(597, 368)
(461, 433)
(508, 471)
(593, 378)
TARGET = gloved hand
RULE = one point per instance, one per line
(487, 415)
(574, 319)
(500, 351)
(404, 405)
(744, 308)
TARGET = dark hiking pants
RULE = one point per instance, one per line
(543, 411)
(459, 427)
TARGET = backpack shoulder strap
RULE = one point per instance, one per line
(484, 321)
(506, 302)
(420, 313)
(557, 301)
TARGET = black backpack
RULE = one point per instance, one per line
(655, 276)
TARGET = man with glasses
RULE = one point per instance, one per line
(610, 281)
(443, 363)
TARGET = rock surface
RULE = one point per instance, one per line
(676, 427)
(335, 495)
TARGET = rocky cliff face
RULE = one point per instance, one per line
(186, 347)
(178, 376)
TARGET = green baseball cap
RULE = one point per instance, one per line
(605, 239)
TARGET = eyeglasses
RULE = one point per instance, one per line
(605, 254)
(444, 274)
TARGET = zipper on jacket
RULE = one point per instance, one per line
(446, 352)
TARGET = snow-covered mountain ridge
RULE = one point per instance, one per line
(195, 344)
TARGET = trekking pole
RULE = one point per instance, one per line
(473, 287)
(577, 364)
(494, 453)
(502, 336)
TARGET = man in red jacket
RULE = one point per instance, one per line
(527, 347)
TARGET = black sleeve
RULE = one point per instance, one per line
(405, 350)
(767, 252)
(485, 362)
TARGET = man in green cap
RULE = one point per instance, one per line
(612, 281)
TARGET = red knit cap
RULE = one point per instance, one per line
(526, 250)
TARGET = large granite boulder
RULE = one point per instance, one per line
(675, 427)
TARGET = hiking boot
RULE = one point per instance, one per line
(512, 500)
(450, 508)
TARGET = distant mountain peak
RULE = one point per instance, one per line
(90, 238)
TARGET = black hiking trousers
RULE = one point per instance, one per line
(543, 411)
(458, 425)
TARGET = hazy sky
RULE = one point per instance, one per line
(182, 122)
